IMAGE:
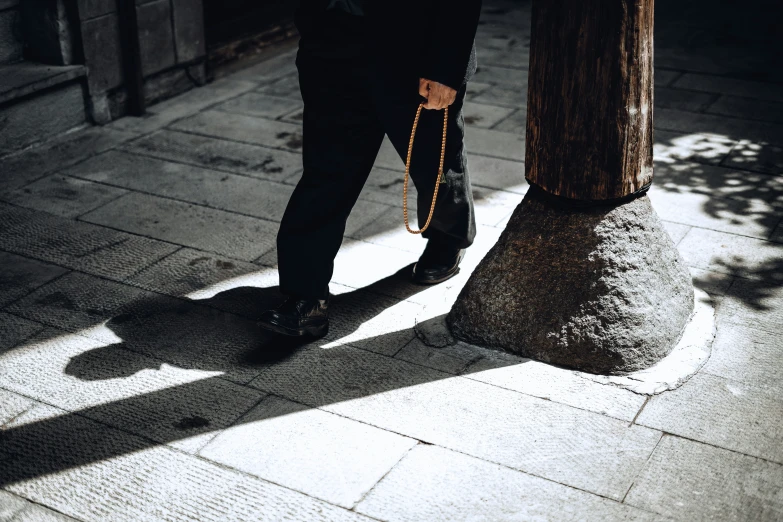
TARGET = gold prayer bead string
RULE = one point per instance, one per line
(439, 180)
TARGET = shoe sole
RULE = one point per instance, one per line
(308, 331)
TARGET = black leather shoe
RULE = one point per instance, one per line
(298, 318)
(437, 264)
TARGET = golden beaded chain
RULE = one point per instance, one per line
(408, 167)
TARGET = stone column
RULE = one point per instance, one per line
(585, 275)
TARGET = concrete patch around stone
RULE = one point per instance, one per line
(688, 356)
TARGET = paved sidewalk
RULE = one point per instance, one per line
(134, 257)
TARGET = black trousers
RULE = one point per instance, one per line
(351, 100)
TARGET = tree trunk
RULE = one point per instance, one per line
(584, 275)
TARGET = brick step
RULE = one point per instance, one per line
(39, 101)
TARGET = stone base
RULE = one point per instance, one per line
(601, 290)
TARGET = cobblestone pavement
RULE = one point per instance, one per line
(134, 385)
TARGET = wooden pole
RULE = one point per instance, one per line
(590, 93)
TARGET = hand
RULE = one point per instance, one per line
(438, 96)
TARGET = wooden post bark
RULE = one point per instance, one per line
(584, 275)
(590, 93)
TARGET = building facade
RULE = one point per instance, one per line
(66, 62)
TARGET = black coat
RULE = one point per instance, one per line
(431, 39)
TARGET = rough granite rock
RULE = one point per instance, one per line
(601, 290)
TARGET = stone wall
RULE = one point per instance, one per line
(171, 39)
(10, 41)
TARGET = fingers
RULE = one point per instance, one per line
(424, 88)
(435, 100)
(438, 96)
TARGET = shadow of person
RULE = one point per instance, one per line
(219, 334)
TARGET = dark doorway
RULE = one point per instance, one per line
(239, 28)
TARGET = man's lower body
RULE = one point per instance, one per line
(348, 108)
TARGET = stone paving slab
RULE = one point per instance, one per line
(502, 426)
(432, 483)
(555, 384)
(115, 386)
(714, 283)
(187, 334)
(63, 196)
(484, 116)
(16, 330)
(36, 513)
(733, 86)
(719, 182)
(244, 129)
(676, 231)
(94, 472)
(11, 505)
(26, 166)
(681, 121)
(186, 224)
(759, 157)
(750, 355)
(495, 143)
(270, 69)
(450, 359)
(371, 321)
(190, 149)
(512, 97)
(188, 271)
(516, 123)
(241, 194)
(321, 454)
(749, 108)
(752, 217)
(286, 86)
(195, 100)
(693, 101)
(665, 77)
(11, 407)
(722, 413)
(497, 173)
(687, 480)
(21, 275)
(703, 147)
(77, 245)
(260, 105)
(492, 74)
(734, 255)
